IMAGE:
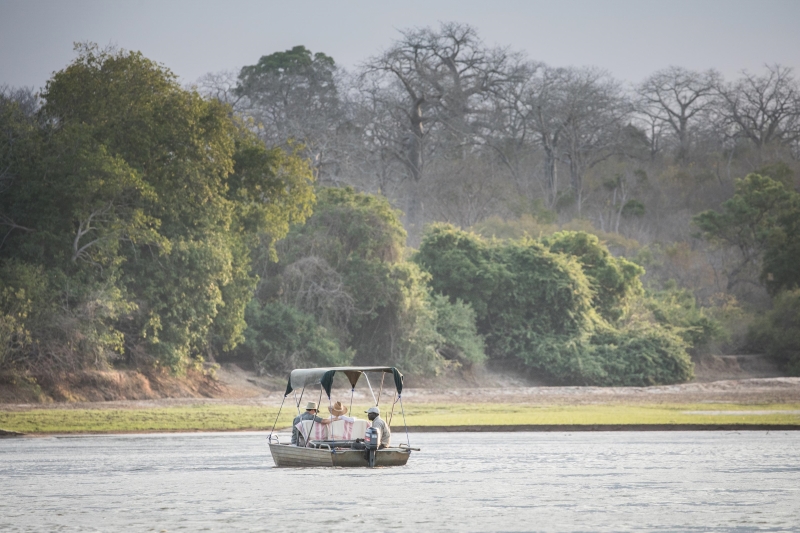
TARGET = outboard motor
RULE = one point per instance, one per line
(372, 440)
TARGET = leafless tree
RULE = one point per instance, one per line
(311, 285)
(509, 132)
(677, 98)
(595, 112)
(764, 109)
(221, 86)
(445, 77)
(548, 118)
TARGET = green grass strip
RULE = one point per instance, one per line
(499, 414)
(233, 417)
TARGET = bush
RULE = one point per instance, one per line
(455, 323)
(538, 302)
(641, 356)
(613, 280)
(778, 332)
(345, 269)
(677, 309)
(280, 338)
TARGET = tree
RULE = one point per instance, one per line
(345, 269)
(548, 117)
(18, 129)
(678, 98)
(293, 96)
(764, 109)
(594, 111)
(444, 77)
(748, 222)
(143, 198)
(781, 265)
(509, 132)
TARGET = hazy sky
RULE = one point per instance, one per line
(630, 38)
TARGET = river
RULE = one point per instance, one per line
(606, 481)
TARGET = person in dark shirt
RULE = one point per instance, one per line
(310, 414)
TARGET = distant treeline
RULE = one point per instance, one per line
(149, 225)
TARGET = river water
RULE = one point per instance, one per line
(607, 481)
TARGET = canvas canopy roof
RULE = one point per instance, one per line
(303, 377)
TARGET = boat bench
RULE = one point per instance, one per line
(336, 430)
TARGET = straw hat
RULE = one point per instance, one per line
(338, 409)
(311, 405)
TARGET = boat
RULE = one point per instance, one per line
(335, 448)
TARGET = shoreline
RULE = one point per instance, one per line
(568, 428)
(398, 430)
(744, 405)
(752, 391)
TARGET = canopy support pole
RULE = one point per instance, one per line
(300, 400)
(313, 420)
(370, 388)
(351, 399)
(391, 415)
(276, 419)
(400, 398)
(383, 376)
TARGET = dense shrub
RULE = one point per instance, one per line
(280, 338)
(678, 309)
(538, 301)
(777, 333)
(515, 287)
(460, 265)
(613, 280)
(455, 323)
(640, 356)
(51, 323)
(344, 268)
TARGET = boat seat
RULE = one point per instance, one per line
(319, 432)
(358, 431)
(336, 430)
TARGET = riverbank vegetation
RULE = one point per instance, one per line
(449, 204)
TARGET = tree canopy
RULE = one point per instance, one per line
(132, 195)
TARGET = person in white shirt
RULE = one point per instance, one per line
(374, 414)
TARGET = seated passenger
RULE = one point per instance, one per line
(310, 414)
(374, 414)
(338, 410)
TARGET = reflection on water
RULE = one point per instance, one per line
(678, 481)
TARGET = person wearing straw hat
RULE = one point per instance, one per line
(310, 414)
(374, 414)
(338, 410)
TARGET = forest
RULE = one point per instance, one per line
(445, 204)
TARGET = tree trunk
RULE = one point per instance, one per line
(576, 182)
(551, 175)
(414, 165)
(415, 212)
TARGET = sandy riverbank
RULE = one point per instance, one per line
(746, 392)
(746, 380)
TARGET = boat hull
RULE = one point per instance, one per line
(287, 455)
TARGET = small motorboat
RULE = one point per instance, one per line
(344, 444)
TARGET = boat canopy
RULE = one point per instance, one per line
(302, 377)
